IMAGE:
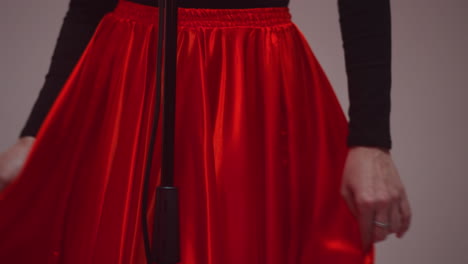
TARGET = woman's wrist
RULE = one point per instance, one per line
(27, 140)
(382, 149)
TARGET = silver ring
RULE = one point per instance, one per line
(381, 224)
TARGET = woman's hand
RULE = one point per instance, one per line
(12, 160)
(374, 192)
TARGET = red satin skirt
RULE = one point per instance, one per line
(260, 145)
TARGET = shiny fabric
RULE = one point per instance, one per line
(260, 146)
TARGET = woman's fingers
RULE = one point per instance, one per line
(405, 212)
(376, 217)
(380, 218)
(382, 222)
(395, 218)
(366, 217)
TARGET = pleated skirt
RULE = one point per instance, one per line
(260, 145)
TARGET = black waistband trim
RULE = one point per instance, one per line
(220, 4)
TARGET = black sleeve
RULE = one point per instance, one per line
(77, 29)
(366, 32)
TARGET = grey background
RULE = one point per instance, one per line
(429, 122)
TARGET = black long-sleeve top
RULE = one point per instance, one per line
(366, 33)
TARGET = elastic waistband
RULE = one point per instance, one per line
(193, 17)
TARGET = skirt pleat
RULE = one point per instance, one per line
(260, 145)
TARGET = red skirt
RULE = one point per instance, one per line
(260, 146)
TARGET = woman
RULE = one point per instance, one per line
(268, 168)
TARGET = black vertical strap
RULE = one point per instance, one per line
(166, 220)
(167, 168)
